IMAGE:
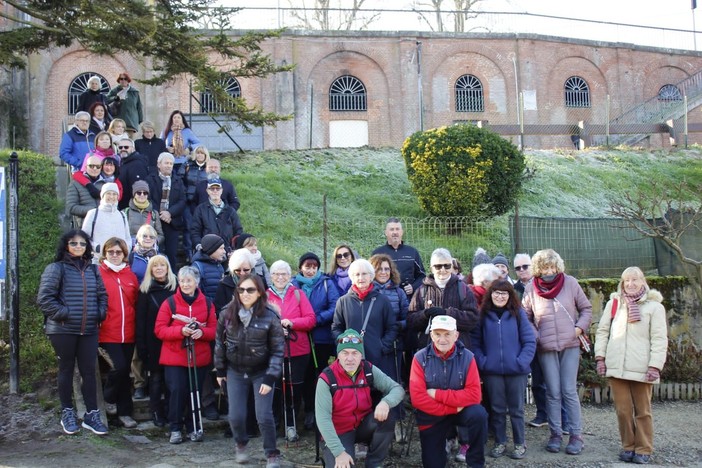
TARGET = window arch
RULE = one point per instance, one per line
(577, 92)
(347, 93)
(669, 93)
(207, 100)
(78, 87)
(469, 94)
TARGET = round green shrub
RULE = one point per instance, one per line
(463, 170)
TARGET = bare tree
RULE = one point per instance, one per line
(463, 10)
(319, 15)
(666, 213)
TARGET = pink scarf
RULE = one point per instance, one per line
(632, 304)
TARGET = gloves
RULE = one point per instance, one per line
(652, 374)
(432, 312)
(601, 368)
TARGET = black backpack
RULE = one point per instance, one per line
(334, 386)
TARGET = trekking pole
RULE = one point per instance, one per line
(399, 408)
(289, 336)
(194, 390)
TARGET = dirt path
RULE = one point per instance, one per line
(32, 437)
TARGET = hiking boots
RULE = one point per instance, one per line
(519, 452)
(554, 443)
(91, 420)
(69, 422)
(498, 450)
(575, 445)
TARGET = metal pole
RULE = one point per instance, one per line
(419, 86)
(324, 229)
(14, 275)
(190, 116)
(607, 103)
(685, 118)
(311, 111)
(521, 121)
(694, 29)
(516, 93)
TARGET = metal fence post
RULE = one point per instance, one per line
(607, 109)
(325, 232)
(14, 275)
(685, 119)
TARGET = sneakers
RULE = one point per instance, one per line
(211, 413)
(538, 422)
(497, 451)
(110, 409)
(69, 422)
(140, 393)
(91, 420)
(518, 453)
(626, 455)
(575, 445)
(195, 436)
(640, 459)
(461, 455)
(565, 431)
(241, 455)
(273, 461)
(361, 451)
(127, 422)
(291, 434)
(554, 443)
(176, 437)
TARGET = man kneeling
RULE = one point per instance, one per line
(445, 390)
(344, 408)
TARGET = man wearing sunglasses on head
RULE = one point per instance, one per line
(407, 258)
(133, 168)
(344, 409)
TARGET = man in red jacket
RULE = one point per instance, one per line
(445, 390)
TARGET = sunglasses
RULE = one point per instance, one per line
(141, 192)
(444, 266)
(122, 78)
(349, 339)
(343, 255)
(521, 267)
(115, 252)
(77, 243)
(215, 188)
(124, 147)
(242, 270)
(246, 290)
(94, 166)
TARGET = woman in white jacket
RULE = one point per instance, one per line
(630, 349)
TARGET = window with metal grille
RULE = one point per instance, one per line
(669, 92)
(347, 93)
(577, 92)
(208, 103)
(78, 87)
(469, 94)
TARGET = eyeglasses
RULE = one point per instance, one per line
(115, 252)
(83, 120)
(214, 188)
(445, 266)
(349, 339)
(360, 274)
(339, 256)
(280, 274)
(77, 243)
(122, 78)
(148, 236)
(94, 166)
(521, 267)
(141, 192)
(385, 269)
(246, 290)
(500, 293)
(242, 270)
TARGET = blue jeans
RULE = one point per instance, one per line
(538, 389)
(238, 385)
(506, 397)
(560, 370)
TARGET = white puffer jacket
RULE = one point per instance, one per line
(630, 349)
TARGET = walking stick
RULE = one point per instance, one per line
(288, 336)
(194, 390)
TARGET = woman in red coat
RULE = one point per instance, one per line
(174, 324)
(298, 319)
(117, 332)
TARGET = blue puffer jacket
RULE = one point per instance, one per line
(211, 273)
(75, 145)
(72, 297)
(323, 299)
(503, 344)
(400, 304)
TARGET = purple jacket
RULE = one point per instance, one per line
(555, 319)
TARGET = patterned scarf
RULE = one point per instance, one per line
(632, 304)
(178, 144)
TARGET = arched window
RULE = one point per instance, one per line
(469, 94)
(79, 85)
(347, 93)
(577, 92)
(207, 100)
(669, 93)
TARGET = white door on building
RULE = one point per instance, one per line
(348, 133)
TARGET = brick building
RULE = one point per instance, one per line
(355, 88)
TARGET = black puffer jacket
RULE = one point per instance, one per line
(147, 344)
(226, 224)
(72, 297)
(253, 349)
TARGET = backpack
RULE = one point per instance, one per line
(334, 386)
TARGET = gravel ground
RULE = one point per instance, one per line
(31, 436)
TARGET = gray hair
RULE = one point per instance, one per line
(360, 265)
(80, 114)
(163, 156)
(191, 271)
(147, 124)
(441, 253)
(281, 265)
(485, 273)
(521, 256)
(94, 78)
(240, 256)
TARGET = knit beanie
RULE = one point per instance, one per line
(239, 240)
(140, 186)
(500, 259)
(109, 187)
(350, 339)
(308, 256)
(480, 257)
(210, 243)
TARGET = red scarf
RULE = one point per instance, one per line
(362, 294)
(479, 293)
(549, 290)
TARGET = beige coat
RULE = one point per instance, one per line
(630, 349)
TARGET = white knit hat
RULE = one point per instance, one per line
(109, 187)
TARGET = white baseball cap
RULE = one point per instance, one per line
(443, 322)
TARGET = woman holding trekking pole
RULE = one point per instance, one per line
(186, 323)
(249, 351)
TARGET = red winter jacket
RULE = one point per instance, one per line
(169, 330)
(122, 289)
(300, 313)
(350, 405)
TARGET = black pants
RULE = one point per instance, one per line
(471, 425)
(179, 405)
(290, 396)
(378, 436)
(170, 247)
(157, 389)
(69, 349)
(118, 388)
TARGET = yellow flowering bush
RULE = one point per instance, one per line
(463, 170)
